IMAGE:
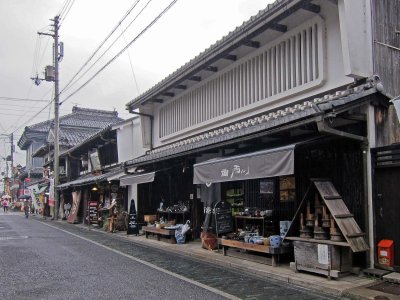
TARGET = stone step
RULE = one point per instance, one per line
(376, 273)
(392, 277)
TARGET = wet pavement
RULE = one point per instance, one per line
(239, 284)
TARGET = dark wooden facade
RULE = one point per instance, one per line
(386, 56)
(386, 174)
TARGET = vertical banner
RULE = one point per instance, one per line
(34, 193)
(51, 193)
(76, 200)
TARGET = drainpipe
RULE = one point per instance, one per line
(325, 128)
(151, 125)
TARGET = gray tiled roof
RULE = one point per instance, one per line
(74, 127)
(72, 136)
(267, 121)
(41, 127)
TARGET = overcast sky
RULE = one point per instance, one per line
(185, 30)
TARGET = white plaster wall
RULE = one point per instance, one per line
(132, 194)
(336, 76)
(356, 37)
(129, 140)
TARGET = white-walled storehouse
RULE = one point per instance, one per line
(300, 75)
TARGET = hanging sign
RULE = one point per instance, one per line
(133, 227)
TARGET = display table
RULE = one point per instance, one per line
(274, 252)
(159, 232)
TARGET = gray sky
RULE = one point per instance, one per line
(187, 29)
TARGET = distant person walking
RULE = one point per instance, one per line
(26, 208)
(5, 205)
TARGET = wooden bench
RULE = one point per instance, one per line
(275, 252)
(159, 232)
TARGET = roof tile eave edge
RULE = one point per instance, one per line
(199, 59)
(361, 91)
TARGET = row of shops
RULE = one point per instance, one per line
(270, 142)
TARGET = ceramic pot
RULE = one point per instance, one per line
(275, 241)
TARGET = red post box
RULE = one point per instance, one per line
(386, 253)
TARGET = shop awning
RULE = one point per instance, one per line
(137, 178)
(116, 176)
(88, 179)
(261, 164)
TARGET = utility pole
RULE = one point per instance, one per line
(56, 57)
(12, 158)
(56, 118)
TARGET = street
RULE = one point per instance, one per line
(55, 260)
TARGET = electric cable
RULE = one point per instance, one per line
(66, 88)
(101, 44)
(123, 49)
(64, 7)
(66, 13)
(21, 99)
(30, 119)
(130, 63)
(35, 55)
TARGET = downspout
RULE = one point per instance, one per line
(151, 124)
(325, 128)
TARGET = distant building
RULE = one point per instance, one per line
(38, 141)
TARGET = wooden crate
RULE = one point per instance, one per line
(325, 259)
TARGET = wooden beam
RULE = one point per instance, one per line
(355, 235)
(195, 78)
(168, 94)
(344, 216)
(157, 100)
(230, 57)
(252, 44)
(211, 69)
(278, 27)
(312, 8)
(181, 87)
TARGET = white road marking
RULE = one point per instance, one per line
(3, 238)
(211, 289)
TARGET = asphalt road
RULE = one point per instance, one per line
(53, 260)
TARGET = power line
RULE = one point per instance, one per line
(64, 7)
(66, 13)
(34, 116)
(35, 55)
(130, 62)
(108, 48)
(119, 53)
(5, 98)
(101, 44)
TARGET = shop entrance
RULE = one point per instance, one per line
(386, 162)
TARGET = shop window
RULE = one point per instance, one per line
(267, 188)
(287, 189)
(233, 193)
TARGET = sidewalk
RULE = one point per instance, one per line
(350, 286)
